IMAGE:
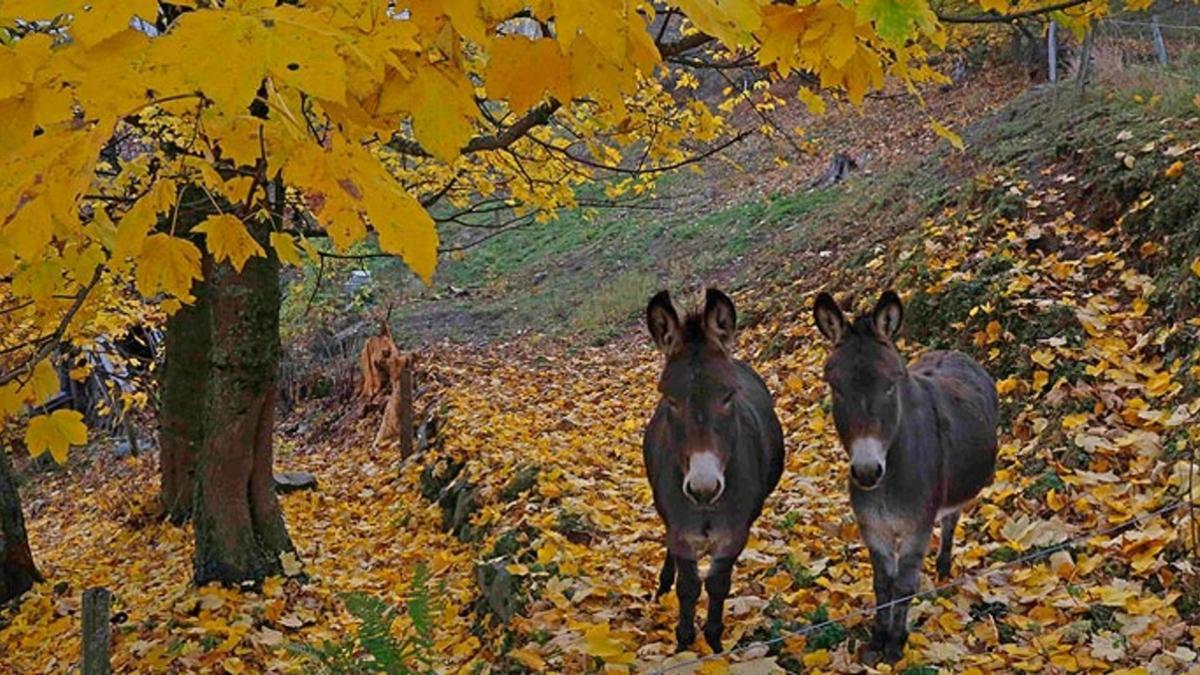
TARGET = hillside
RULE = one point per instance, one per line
(1062, 249)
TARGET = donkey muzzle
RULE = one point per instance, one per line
(867, 462)
(705, 481)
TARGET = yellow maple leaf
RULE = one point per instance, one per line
(731, 21)
(814, 103)
(1174, 171)
(102, 20)
(1158, 384)
(55, 432)
(1040, 379)
(1007, 385)
(528, 658)
(599, 642)
(817, 659)
(292, 567)
(511, 61)
(43, 384)
(285, 248)
(946, 133)
(168, 264)
(226, 238)
(1196, 267)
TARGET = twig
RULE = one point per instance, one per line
(1005, 18)
(51, 340)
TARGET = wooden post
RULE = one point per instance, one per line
(97, 607)
(1085, 60)
(1160, 47)
(406, 410)
(1052, 50)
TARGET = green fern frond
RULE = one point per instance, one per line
(374, 648)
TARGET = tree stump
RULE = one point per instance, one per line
(97, 608)
(397, 424)
(840, 166)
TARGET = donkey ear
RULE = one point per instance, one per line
(829, 318)
(720, 318)
(663, 323)
(887, 315)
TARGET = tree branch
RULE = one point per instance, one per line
(1005, 18)
(51, 340)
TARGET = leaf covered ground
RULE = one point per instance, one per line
(1081, 298)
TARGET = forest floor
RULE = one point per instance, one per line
(1062, 249)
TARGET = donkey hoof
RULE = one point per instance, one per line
(684, 637)
(871, 656)
(893, 651)
(712, 635)
(943, 569)
(892, 654)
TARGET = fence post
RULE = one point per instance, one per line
(1052, 50)
(1160, 47)
(1085, 61)
(97, 607)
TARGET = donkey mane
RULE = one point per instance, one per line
(693, 329)
(863, 325)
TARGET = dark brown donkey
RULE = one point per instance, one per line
(713, 452)
(922, 443)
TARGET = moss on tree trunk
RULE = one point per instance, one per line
(17, 571)
(181, 419)
(240, 533)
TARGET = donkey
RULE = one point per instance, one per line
(922, 443)
(713, 452)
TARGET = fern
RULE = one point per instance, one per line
(374, 649)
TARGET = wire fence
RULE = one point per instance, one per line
(1141, 44)
(1022, 560)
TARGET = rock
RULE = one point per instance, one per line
(294, 481)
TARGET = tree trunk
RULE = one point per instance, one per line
(240, 533)
(185, 372)
(184, 380)
(17, 571)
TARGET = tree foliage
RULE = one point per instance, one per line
(372, 116)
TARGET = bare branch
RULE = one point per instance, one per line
(48, 342)
(1005, 18)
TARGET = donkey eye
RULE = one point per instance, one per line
(727, 399)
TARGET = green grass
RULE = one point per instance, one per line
(589, 273)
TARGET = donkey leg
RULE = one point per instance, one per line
(717, 585)
(687, 589)
(912, 553)
(945, 549)
(883, 569)
(666, 577)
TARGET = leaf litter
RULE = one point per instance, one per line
(1098, 429)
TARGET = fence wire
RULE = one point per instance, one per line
(1015, 562)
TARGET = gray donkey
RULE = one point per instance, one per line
(713, 452)
(922, 443)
